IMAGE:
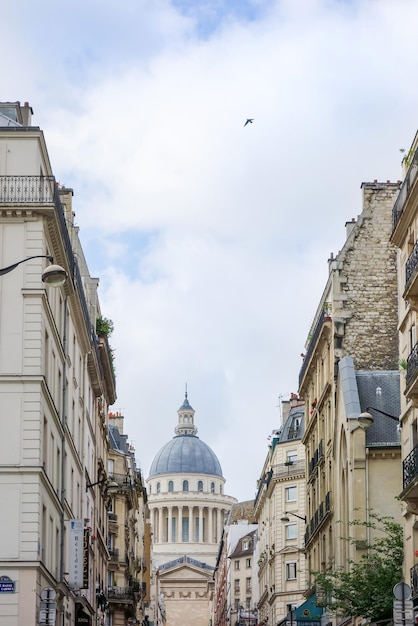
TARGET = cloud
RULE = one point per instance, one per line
(210, 239)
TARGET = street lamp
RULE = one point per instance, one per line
(110, 485)
(365, 419)
(285, 517)
(53, 275)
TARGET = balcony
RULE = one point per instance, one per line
(316, 333)
(321, 514)
(316, 459)
(114, 555)
(410, 479)
(121, 594)
(411, 275)
(279, 472)
(405, 191)
(412, 373)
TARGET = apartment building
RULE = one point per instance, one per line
(128, 561)
(351, 366)
(235, 585)
(280, 510)
(56, 384)
(405, 238)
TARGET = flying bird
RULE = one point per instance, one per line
(249, 121)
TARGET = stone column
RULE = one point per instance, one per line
(201, 537)
(170, 525)
(210, 525)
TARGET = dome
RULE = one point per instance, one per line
(185, 454)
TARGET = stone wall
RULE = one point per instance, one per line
(365, 285)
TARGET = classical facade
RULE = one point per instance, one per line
(235, 583)
(405, 237)
(56, 383)
(280, 511)
(351, 366)
(188, 508)
(128, 558)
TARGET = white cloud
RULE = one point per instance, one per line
(211, 239)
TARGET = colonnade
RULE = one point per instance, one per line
(187, 523)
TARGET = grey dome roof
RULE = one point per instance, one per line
(185, 454)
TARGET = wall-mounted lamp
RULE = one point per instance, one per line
(99, 482)
(53, 275)
(285, 517)
(365, 419)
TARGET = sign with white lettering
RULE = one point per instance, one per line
(7, 585)
(76, 549)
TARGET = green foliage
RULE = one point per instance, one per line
(104, 326)
(365, 587)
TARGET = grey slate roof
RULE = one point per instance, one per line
(185, 454)
(371, 390)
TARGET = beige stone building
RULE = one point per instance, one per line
(405, 237)
(126, 510)
(56, 383)
(235, 582)
(280, 510)
(350, 365)
(188, 508)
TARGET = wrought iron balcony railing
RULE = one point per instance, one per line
(410, 468)
(411, 366)
(405, 190)
(318, 517)
(315, 335)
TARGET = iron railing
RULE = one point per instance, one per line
(411, 365)
(410, 467)
(315, 335)
(404, 192)
(318, 455)
(411, 264)
(318, 517)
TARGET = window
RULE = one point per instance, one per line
(291, 570)
(212, 487)
(291, 456)
(200, 485)
(291, 531)
(247, 563)
(245, 544)
(236, 565)
(185, 485)
(185, 529)
(236, 585)
(248, 584)
(158, 487)
(170, 486)
(290, 494)
(248, 604)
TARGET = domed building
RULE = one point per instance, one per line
(188, 508)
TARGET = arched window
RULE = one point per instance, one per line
(158, 487)
(170, 486)
(200, 485)
(185, 485)
(221, 489)
(212, 487)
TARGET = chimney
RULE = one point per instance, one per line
(27, 113)
(349, 226)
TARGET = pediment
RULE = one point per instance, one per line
(289, 550)
(183, 572)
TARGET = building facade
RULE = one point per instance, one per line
(280, 511)
(351, 365)
(188, 508)
(56, 383)
(405, 237)
(126, 510)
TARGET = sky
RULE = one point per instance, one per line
(211, 238)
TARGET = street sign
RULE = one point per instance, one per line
(399, 615)
(47, 617)
(406, 604)
(48, 593)
(402, 591)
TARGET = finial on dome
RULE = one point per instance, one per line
(185, 395)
